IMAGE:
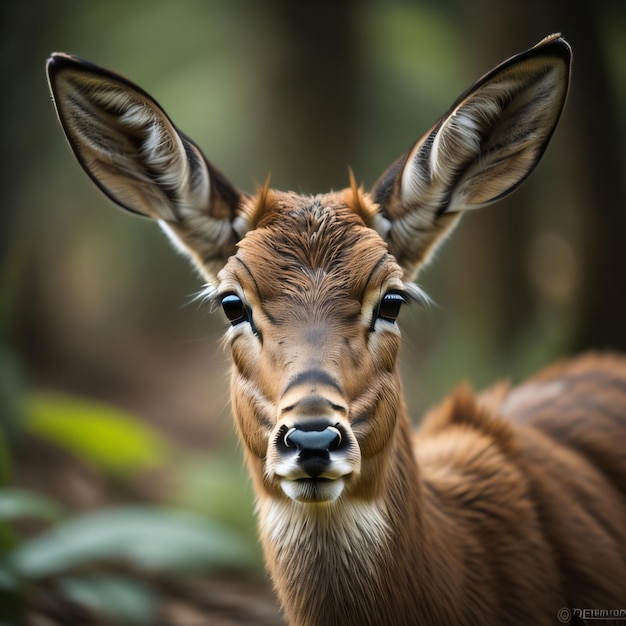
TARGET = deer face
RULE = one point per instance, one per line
(312, 295)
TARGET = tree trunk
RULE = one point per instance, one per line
(588, 162)
(315, 85)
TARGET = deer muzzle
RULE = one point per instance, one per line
(313, 451)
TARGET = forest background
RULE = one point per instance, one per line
(113, 382)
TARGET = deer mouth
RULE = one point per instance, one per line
(313, 489)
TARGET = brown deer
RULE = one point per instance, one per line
(507, 507)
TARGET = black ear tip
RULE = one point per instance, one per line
(557, 45)
(58, 61)
(52, 63)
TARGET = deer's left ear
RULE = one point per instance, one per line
(133, 152)
(480, 151)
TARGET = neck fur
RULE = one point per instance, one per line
(351, 561)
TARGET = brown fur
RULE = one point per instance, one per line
(255, 207)
(360, 202)
(499, 522)
(528, 469)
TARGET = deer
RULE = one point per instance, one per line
(506, 506)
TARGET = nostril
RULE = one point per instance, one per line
(338, 438)
(287, 436)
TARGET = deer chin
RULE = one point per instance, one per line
(312, 490)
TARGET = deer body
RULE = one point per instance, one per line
(507, 506)
(440, 544)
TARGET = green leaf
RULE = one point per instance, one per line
(118, 599)
(20, 503)
(153, 539)
(99, 434)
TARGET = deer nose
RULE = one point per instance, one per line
(324, 440)
(312, 442)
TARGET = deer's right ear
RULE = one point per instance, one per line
(129, 147)
(480, 151)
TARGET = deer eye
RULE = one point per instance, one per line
(235, 310)
(389, 306)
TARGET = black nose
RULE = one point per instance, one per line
(327, 439)
(313, 444)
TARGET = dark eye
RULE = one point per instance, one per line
(389, 306)
(235, 310)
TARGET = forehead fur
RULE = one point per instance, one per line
(298, 239)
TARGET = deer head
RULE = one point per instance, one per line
(312, 286)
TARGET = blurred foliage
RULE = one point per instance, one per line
(71, 557)
(148, 540)
(110, 439)
(120, 599)
(146, 537)
(19, 503)
(102, 360)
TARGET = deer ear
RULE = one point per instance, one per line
(480, 151)
(129, 147)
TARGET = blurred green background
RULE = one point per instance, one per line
(113, 381)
